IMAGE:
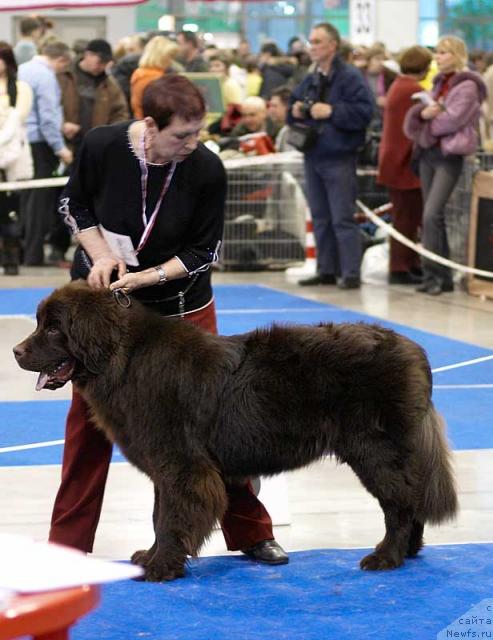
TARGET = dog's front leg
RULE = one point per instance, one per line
(189, 502)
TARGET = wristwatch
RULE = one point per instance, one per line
(162, 274)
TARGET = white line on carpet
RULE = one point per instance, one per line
(229, 312)
(34, 445)
(463, 386)
(462, 364)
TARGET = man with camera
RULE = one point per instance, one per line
(330, 111)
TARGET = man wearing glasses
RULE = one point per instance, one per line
(335, 101)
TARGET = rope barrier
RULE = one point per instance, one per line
(232, 163)
(371, 215)
(41, 183)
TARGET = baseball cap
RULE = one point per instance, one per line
(102, 48)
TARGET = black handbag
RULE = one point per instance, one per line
(302, 137)
(81, 264)
(368, 153)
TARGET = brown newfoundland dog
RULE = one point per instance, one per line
(190, 409)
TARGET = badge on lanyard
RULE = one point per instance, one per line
(144, 176)
(120, 246)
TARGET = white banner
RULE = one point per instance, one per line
(362, 20)
(18, 5)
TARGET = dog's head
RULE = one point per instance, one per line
(78, 332)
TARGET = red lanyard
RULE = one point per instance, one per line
(144, 176)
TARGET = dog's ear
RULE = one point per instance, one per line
(91, 321)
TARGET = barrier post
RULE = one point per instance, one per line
(310, 265)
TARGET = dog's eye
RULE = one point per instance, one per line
(52, 330)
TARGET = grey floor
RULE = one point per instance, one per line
(324, 504)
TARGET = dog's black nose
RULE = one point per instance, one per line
(19, 351)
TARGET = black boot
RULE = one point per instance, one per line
(319, 278)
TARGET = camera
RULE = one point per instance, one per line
(306, 106)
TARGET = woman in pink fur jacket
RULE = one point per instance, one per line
(444, 129)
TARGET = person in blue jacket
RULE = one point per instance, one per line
(335, 101)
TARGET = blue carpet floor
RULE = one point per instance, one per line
(320, 595)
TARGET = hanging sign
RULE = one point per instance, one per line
(362, 20)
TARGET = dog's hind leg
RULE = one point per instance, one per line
(390, 552)
(386, 474)
(190, 500)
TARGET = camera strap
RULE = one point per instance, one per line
(322, 84)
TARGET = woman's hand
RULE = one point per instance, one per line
(431, 111)
(100, 273)
(131, 281)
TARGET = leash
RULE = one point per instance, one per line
(122, 298)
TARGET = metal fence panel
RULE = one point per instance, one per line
(265, 213)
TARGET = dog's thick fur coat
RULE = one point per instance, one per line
(189, 409)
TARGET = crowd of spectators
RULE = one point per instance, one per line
(54, 94)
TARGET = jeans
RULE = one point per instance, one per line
(331, 191)
(439, 175)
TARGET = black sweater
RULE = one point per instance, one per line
(105, 188)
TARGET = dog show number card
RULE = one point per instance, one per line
(121, 246)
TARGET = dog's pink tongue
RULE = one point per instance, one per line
(42, 380)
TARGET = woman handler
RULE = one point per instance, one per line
(146, 204)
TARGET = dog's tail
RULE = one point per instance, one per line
(439, 498)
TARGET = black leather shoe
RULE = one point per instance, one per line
(267, 552)
(434, 288)
(319, 278)
(350, 282)
(404, 277)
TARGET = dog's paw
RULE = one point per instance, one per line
(157, 572)
(412, 552)
(378, 561)
(140, 557)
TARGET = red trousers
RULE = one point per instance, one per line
(86, 460)
(407, 217)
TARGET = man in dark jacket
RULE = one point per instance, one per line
(336, 101)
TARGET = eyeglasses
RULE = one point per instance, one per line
(327, 40)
